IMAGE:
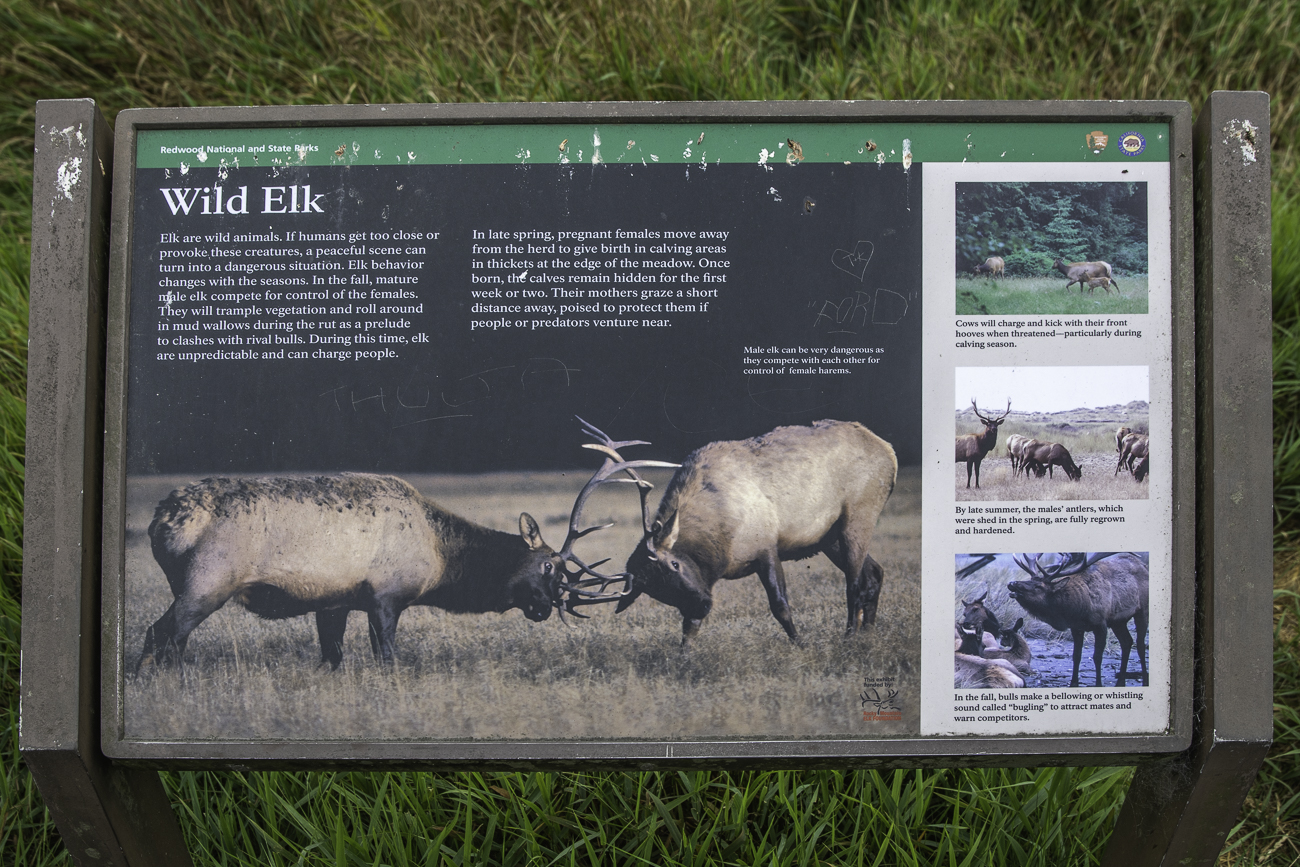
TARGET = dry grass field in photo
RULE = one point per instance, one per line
(1087, 433)
(502, 676)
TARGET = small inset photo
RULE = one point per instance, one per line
(1051, 620)
(1052, 433)
(1051, 248)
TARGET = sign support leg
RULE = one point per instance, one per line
(1180, 810)
(107, 814)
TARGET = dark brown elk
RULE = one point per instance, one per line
(1089, 593)
(1132, 450)
(1140, 471)
(1080, 272)
(993, 266)
(739, 508)
(1043, 456)
(282, 547)
(973, 448)
(1120, 433)
(1014, 649)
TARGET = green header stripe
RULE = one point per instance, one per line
(618, 143)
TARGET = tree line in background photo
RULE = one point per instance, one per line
(241, 52)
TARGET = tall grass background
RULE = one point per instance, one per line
(160, 52)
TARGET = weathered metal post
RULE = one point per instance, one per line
(108, 814)
(1180, 810)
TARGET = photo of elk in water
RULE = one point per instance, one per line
(1052, 433)
(599, 603)
(1023, 620)
(1032, 248)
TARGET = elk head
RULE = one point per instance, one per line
(991, 424)
(545, 580)
(1045, 579)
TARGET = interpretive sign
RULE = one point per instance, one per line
(398, 370)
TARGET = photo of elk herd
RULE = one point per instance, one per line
(1051, 248)
(1064, 433)
(746, 588)
(1024, 620)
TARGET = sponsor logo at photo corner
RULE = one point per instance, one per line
(1131, 144)
(880, 701)
(1096, 141)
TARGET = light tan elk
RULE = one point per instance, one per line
(1016, 451)
(972, 448)
(1089, 593)
(283, 547)
(1080, 272)
(1094, 282)
(1133, 449)
(1041, 457)
(993, 266)
(743, 507)
(971, 671)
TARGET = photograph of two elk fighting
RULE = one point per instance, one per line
(600, 533)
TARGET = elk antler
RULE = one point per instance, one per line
(985, 418)
(1070, 564)
(574, 593)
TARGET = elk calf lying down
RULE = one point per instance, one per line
(739, 508)
(975, 672)
(1080, 272)
(1014, 649)
(1089, 593)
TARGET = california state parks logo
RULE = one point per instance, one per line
(1131, 144)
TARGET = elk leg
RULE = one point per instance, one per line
(773, 578)
(1098, 648)
(166, 639)
(969, 466)
(1078, 654)
(977, 475)
(1125, 645)
(330, 626)
(383, 630)
(1140, 626)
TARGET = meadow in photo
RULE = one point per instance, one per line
(1054, 434)
(1017, 616)
(1036, 248)
(492, 676)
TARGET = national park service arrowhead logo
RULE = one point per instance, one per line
(1096, 141)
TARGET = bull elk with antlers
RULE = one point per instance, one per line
(283, 547)
(743, 507)
(973, 448)
(1089, 593)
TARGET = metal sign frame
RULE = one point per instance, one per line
(1222, 367)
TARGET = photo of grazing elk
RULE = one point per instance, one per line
(329, 545)
(735, 509)
(1061, 437)
(1039, 458)
(1094, 235)
(1054, 601)
(972, 448)
(1132, 448)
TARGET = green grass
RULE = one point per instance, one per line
(159, 52)
(1035, 296)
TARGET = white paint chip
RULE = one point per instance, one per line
(68, 176)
